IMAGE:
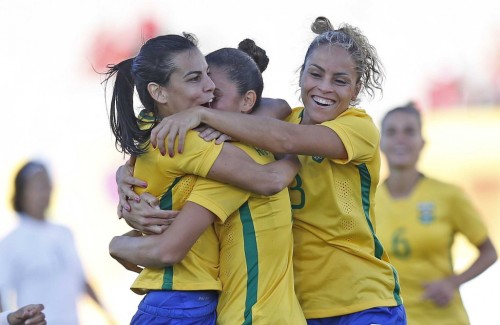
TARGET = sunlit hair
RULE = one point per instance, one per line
(409, 108)
(21, 180)
(369, 68)
(153, 63)
(242, 66)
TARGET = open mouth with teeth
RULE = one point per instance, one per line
(208, 104)
(322, 101)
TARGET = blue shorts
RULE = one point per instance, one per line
(373, 316)
(177, 308)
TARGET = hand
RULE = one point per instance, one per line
(29, 314)
(440, 292)
(126, 183)
(173, 126)
(208, 134)
(147, 216)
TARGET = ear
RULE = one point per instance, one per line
(158, 92)
(248, 101)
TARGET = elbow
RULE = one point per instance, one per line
(275, 184)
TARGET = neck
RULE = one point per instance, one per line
(37, 215)
(402, 182)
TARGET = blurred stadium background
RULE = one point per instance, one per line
(443, 54)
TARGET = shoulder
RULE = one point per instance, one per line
(295, 115)
(259, 155)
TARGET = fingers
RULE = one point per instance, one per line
(36, 320)
(155, 229)
(151, 200)
(32, 314)
(208, 133)
(160, 135)
(223, 138)
(119, 210)
(172, 134)
(201, 128)
(183, 130)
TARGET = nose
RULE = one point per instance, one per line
(325, 86)
(209, 84)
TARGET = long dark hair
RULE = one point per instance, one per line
(154, 63)
(243, 66)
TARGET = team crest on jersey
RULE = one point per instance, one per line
(262, 152)
(317, 159)
(426, 210)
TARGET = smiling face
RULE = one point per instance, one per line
(401, 140)
(328, 84)
(189, 84)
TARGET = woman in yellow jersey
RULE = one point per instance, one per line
(417, 219)
(245, 225)
(170, 74)
(342, 273)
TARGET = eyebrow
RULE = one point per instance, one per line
(192, 72)
(335, 74)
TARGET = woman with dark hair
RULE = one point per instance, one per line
(342, 272)
(248, 234)
(39, 258)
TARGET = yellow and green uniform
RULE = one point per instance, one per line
(418, 232)
(256, 247)
(340, 265)
(171, 180)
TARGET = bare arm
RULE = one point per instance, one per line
(442, 291)
(167, 248)
(263, 132)
(487, 256)
(233, 166)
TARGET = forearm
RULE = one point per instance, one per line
(167, 248)
(487, 256)
(233, 166)
(276, 176)
(144, 251)
(263, 132)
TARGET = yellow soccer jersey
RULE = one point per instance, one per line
(170, 181)
(340, 266)
(256, 247)
(418, 232)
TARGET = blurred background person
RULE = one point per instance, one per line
(30, 314)
(417, 220)
(40, 263)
